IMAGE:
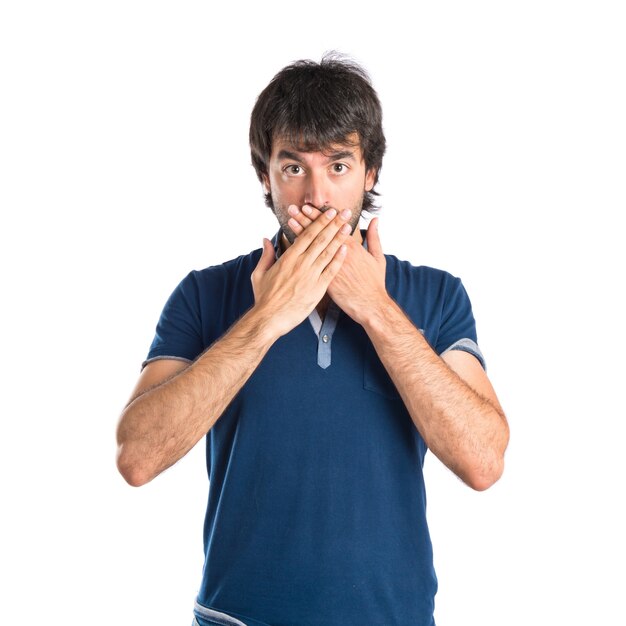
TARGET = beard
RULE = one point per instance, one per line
(283, 217)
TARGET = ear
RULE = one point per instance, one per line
(266, 183)
(370, 179)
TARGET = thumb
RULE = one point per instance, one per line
(268, 256)
(373, 240)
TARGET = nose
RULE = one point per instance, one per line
(317, 192)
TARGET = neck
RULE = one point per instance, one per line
(322, 306)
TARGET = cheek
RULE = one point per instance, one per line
(279, 197)
(286, 193)
(355, 196)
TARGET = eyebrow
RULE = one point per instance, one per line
(333, 156)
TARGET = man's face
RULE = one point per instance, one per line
(334, 178)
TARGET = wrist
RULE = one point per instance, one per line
(263, 320)
(378, 317)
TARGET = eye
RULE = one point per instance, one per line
(293, 170)
(340, 168)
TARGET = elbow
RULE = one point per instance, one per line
(484, 475)
(135, 474)
(131, 458)
(483, 480)
(487, 474)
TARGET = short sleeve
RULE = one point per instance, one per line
(458, 328)
(179, 330)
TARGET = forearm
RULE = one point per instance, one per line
(465, 430)
(160, 426)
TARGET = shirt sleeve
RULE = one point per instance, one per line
(458, 328)
(179, 330)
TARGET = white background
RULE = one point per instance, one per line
(124, 164)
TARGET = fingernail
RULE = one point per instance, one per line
(346, 214)
(330, 213)
(307, 210)
(293, 223)
(346, 229)
(292, 210)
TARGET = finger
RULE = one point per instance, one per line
(308, 236)
(311, 212)
(326, 256)
(268, 257)
(295, 226)
(301, 218)
(298, 221)
(332, 269)
(326, 235)
(373, 240)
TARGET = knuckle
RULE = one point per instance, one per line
(326, 255)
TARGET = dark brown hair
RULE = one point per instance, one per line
(315, 105)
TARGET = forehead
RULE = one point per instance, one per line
(350, 144)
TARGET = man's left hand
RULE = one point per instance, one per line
(359, 287)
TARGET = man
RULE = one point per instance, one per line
(330, 370)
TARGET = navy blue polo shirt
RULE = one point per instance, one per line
(316, 511)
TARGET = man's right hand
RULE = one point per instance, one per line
(288, 290)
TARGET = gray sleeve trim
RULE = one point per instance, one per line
(216, 617)
(467, 345)
(165, 356)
